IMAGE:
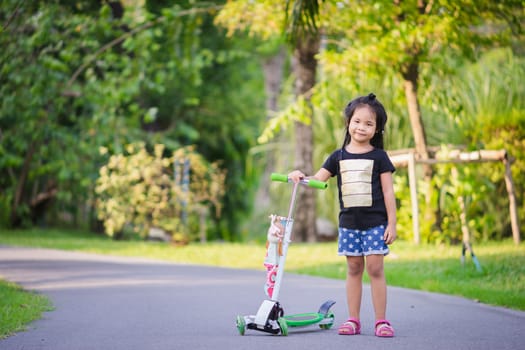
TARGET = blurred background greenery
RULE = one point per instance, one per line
(82, 80)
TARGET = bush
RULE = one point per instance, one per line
(138, 189)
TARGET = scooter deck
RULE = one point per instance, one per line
(270, 318)
(324, 317)
(306, 319)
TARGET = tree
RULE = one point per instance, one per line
(305, 38)
(270, 19)
(94, 74)
(37, 122)
(412, 36)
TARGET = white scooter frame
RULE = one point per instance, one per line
(270, 317)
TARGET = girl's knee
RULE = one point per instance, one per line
(374, 267)
(375, 272)
(355, 266)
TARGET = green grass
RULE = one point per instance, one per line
(438, 269)
(18, 308)
(424, 267)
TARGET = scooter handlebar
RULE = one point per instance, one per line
(308, 182)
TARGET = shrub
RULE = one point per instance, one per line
(138, 189)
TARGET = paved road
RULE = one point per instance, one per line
(120, 303)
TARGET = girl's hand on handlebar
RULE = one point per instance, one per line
(296, 176)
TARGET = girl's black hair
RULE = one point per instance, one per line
(371, 101)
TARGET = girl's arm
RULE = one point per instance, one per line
(387, 185)
(321, 175)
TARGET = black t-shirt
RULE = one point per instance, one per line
(359, 181)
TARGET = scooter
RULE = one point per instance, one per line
(270, 317)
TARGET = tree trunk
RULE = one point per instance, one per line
(305, 67)
(22, 178)
(273, 68)
(411, 75)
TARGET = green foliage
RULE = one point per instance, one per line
(91, 75)
(457, 112)
(35, 112)
(263, 19)
(138, 189)
(486, 109)
(299, 111)
(376, 43)
(375, 35)
(302, 18)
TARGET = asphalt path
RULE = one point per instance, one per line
(115, 303)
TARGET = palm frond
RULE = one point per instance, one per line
(301, 18)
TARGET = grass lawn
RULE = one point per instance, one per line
(425, 267)
(19, 307)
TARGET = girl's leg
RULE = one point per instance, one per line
(354, 285)
(374, 268)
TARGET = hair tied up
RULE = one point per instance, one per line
(371, 96)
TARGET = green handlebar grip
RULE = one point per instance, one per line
(310, 183)
(279, 177)
(317, 184)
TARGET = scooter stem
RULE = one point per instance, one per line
(286, 241)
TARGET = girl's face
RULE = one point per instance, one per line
(362, 126)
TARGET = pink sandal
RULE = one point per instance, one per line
(384, 329)
(350, 327)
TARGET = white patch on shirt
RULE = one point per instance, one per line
(356, 182)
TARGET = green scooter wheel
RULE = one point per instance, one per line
(330, 323)
(241, 325)
(283, 325)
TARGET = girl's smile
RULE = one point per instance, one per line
(362, 126)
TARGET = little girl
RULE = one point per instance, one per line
(367, 217)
